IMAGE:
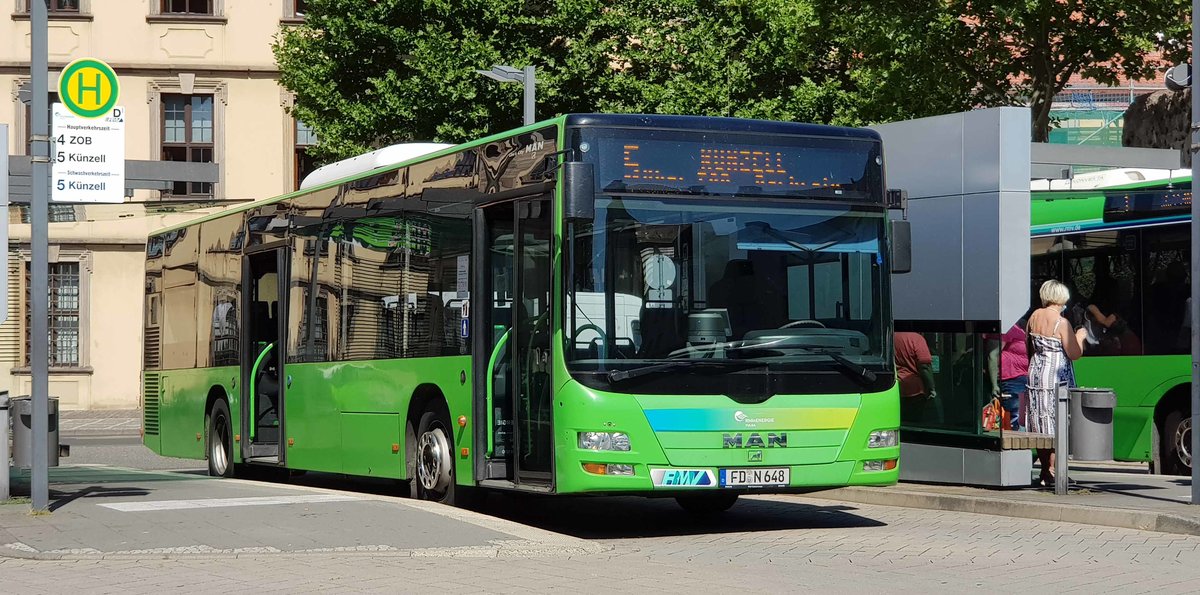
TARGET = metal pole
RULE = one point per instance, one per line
(1062, 446)
(39, 351)
(4, 490)
(1195, 293)
(530, 81)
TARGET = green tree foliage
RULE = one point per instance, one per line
(924, 57)
(367, 73)
(372, 72)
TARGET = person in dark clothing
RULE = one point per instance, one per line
(735, 292)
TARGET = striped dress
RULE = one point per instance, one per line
(1048, 366)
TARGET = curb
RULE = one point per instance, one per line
(1142, 520)
(529, 541)
(519, 530)
(464, 552)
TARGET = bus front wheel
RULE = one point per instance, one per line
(220, 446)
(434, 458)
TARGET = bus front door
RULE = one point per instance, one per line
(515, 362)
(264, 281)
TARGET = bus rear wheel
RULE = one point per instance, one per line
(220, 445)
(1177, 443)
(707, 504)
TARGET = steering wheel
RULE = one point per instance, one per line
(800, 323)
(589, 327)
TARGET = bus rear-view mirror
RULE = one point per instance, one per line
(579, 191)
(901, 246)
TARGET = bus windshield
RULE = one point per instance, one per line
(701, 296)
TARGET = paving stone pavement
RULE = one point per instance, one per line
(101, 422)
(777, 542)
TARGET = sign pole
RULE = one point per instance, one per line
(1194, 302)
(529, 80)
(39, 350)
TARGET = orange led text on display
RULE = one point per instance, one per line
(722, 166)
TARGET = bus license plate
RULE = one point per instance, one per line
(778, 476)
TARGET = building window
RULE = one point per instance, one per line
(187, 135)
(56, 6)
(187, 7)
(63, 313)
(294, 11)
(303, 164)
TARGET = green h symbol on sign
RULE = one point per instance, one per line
(96, 89)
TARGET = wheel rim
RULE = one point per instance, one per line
(218, 454)
(433, 462)
(1183, 441)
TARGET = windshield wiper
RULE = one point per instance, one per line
(620, 375)
(851, 369)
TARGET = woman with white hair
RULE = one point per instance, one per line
(1052, 346)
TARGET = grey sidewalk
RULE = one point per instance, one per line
(111, 422)
(108, 512)
(1100, 495)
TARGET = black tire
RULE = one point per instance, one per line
(707, 504)
(1176, 443)
(434, 458)
(219, 446)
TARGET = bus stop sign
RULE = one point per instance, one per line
(88, 88)
(88, 132)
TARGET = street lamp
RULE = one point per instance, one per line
(525, 76)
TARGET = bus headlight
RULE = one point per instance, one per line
(604, 441)
(608, 468)
(885, 465)
(883, 439)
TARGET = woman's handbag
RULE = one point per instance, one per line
(995, 416)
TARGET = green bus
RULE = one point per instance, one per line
(1125, 249)
(672, 306)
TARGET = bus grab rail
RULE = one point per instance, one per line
(491, 431)
(254, 390)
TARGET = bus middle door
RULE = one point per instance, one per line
(263, 291)
(515, 358)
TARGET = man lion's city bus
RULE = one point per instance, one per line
(1123, 248)
(597, 304)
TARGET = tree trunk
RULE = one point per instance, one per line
(1040, 114)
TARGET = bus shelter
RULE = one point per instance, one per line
(968, 177)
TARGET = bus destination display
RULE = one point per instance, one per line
(834, 168)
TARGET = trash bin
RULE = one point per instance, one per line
(21, 409)
(1091, 421)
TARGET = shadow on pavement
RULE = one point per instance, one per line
(614, 517)
(1130, 490)
(59, 499)
(71, 483)
(632, 517)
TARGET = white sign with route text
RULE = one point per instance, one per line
(89, 157)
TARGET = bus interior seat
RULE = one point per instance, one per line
(619, 348)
